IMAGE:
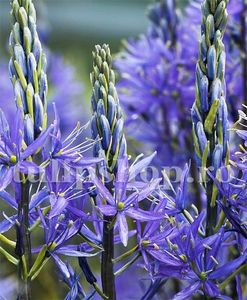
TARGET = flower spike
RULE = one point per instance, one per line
(107, 120)
(27, 68)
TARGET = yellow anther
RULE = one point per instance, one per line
(120, 205)
(52, 246)
(13, 159)
(183, 257)
(203, 275)
(145, 243)
(156, 247)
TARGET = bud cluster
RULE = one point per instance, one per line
(107, 121)
(209, 112)
(163, 17)
(27, 68)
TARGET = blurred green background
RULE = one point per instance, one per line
(75, 26)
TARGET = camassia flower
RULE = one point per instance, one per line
(14, 153)
(72, 280)
(123, 199)
(58, 231)
(233, 204)
(36, 200)
(65, 191)
(196, 260)
(68, 151)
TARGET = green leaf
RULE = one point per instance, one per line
(7, 241)
(210, 120)
(21, 75)
(125, 267)
(39, 260)
(196, 144)
(29, 95)
(9, 257)
(204, 162)
(40, 268)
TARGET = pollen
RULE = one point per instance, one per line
(156, 247)
(13, 159)
(183, 257)
(53, 246)
(60, 152)
(203, 275)
(145, 243)
(120, 205)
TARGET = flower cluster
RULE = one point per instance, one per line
(157, 78)
(113, 211)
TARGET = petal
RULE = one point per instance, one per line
(86, 162)
(228, 268)
(70, 252)
(6, 176)
(197, 223)
(122, 228)
(28, 167)
(188, 292)
(211, 289)
(38, 143)
(4, 126)
(239, 287)
(242, 134)
(38, 198)
(61, 265)
(143, 215)
(8, 223)
(60, 204)
(169, 260)
(182, 191)
(107, 210)
(8, 199)
(79, 213)
(136, 168)
(17, 132)
(121, 178)
(90, 235)
(150, 188)
(103, 191)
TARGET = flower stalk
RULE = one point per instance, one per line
(23, 244)
(107, 128)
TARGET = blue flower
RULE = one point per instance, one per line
(120, 204)
(68, 151)
(14, 153)
(71, 279)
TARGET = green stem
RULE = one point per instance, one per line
(26, 259)
(8, 256)
(7, 241)
(125, 255)
(211, 210)
(107, 272)
(225, 283)
(98, 290)
(220, 222)
(129, 263)
(38, 222)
